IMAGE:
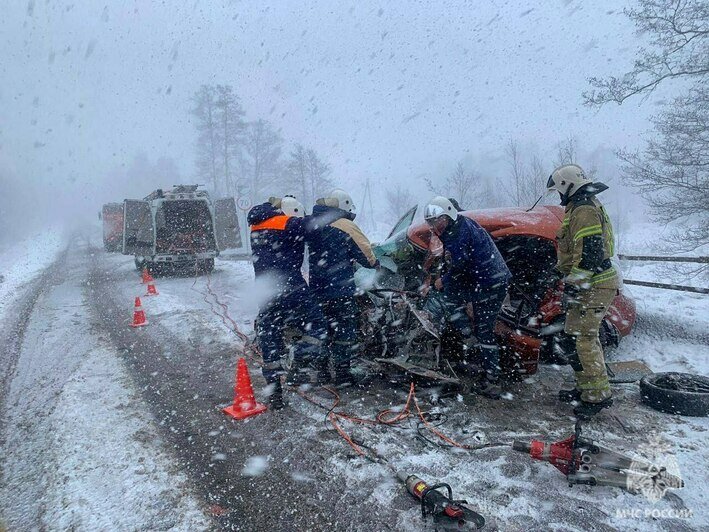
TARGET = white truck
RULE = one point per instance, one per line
(179, 230)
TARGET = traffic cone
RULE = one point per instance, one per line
(245, 404)
(138, 315)
(152, 291)
(146, 276)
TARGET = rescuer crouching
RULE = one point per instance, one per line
(473, 288)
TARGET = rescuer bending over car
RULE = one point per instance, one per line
(585, 248)
(278, 248)
(335, 243)
(476, 275)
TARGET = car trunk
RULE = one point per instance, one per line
(184, 226)
(531, 261)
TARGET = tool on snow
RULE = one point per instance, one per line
(585, 462)
(448, 513)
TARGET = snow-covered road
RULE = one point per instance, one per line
(106, 427)
(81, 452)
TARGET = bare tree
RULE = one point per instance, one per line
(231, 126)
(673, 169)
(399, 200)
(462, 184)
(208, 139)
(220, 127)
(297, 172)
(538, 176)
(518, 174)
(308, 174)
(566, 151)
(261, 160)
(679, 48)
(526, 181)
(319, 176)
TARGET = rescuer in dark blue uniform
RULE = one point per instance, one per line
(278, 247)
(476, 275)
(335, 243)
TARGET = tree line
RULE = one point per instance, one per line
(671, 171)
(238, 157)
(241, 158)
(520, 184)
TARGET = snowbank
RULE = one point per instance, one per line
(23, 261)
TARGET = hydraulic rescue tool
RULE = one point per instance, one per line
(448, 514)
(586, 462)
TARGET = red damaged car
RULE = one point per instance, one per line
(532, 314)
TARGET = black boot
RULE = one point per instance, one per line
(323, 376)
(569, 396)
(343, 376)
(587, 410)
(490, 388)
(297, 377)
(275, 400)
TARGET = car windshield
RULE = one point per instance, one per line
(397, 248)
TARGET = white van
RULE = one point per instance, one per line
(179, 230)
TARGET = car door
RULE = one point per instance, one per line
(138, 229)
(226, 224)
(404, 222)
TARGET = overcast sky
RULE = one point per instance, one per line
(386, 90)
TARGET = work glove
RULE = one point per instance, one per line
(571, 294)
(276, 202)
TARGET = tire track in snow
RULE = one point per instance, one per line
(79, 451)
(16, 319)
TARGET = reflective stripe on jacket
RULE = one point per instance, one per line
(277, 245)
(585, 244)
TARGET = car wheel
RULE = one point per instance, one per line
(676, 393)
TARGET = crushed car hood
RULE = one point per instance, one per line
(543, 222)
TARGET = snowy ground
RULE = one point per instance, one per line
(21, 262)
(672, 332)
(131, 435)
(80, 450)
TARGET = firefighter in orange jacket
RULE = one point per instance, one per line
(278, 248)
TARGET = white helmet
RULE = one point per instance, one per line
(567, 180)
(344, 200)
(292, 207)
(440, 206)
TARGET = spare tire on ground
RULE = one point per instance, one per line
(676, 393)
